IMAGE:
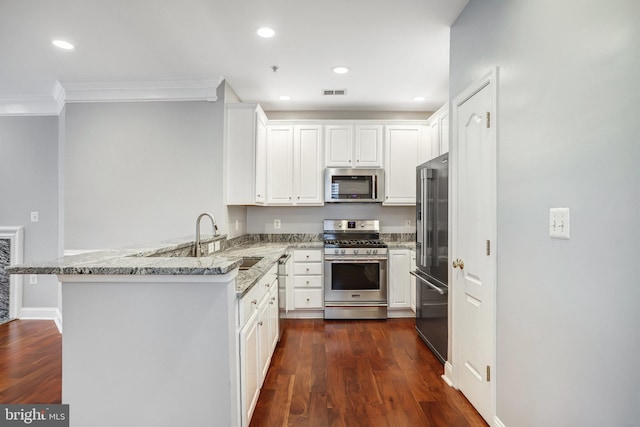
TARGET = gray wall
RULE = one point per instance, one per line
(567, 313)
(309, 219)
(141, 172)
(29, 182)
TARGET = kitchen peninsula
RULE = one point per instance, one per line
(150, 333)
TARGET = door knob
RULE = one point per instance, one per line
(458, 263)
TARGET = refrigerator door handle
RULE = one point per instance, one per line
(431, 285)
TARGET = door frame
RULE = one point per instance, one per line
(451, 373)
(15, 235)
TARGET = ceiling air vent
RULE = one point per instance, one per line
(328, 92)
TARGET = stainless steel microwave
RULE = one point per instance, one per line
(353, 185)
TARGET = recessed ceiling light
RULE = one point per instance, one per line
(265, 32)
(340, 69)
(419, 98)
(284, 97)
(62, 44)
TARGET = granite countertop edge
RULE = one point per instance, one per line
(149, 259)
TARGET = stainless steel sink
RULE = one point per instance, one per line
(248, 262)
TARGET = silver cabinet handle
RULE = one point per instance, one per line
(431, 285)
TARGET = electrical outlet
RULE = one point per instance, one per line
(276, 223)
(34, 216)
(407, 223)
(216, 246)
(210, 248)
(559, 225)
(33, 279)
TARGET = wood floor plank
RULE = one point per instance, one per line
(322, 374)
(374, 373)
(30, 362)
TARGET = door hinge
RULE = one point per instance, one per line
(488, 119)
(488, 247)
(488, 373)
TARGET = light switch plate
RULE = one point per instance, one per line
(35, 216)
(559, 223)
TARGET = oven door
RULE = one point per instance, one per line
(355, 280)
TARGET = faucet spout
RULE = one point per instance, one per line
(197, 250)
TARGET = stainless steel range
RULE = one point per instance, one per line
(355, 270)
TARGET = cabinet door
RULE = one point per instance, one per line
(264, 353)
(308, 172)
(444, 130)
(339, 146)
(400, 164)
(280, 165)
(434, 139)
(399, 278)
(241, 161)
(249, 379)
(368, 146)
(261, 159)
(273, 318)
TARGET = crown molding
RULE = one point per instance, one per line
(29, 106)
(134, 91)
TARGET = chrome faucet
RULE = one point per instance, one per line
(197, 250)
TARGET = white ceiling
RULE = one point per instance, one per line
(396, 50)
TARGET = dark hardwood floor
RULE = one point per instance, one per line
(323, 373)
(30, 362)
(358, 373)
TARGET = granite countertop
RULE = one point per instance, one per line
(172, 257)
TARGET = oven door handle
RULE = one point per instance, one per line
(429, 284)
(353, 260)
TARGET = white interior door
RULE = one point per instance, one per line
(473, 252)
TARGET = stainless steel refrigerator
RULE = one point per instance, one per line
(432, 262)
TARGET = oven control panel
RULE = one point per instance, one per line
(367, 225)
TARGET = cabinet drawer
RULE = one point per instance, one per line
(307, 298)
(307, 255)
(307, 268)
(307, 281)
(248, 305)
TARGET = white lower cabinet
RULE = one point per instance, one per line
(250, 386)
(399, 281)
(307, 286)
(258, 315)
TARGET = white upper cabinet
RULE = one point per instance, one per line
(401, 159)
(353, 146)
(280, 165)
(308, 170)
(245, 145)
(294, 165)
(437, 135)
(339, 146)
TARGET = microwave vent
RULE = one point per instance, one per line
(329, 92)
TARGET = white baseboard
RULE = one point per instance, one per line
(448, 374)
(497, 422)
(42, 313)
